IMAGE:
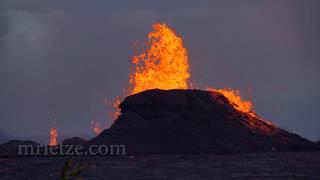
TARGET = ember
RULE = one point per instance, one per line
(96, 126)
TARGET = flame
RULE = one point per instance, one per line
(163, 65)
(53, 137)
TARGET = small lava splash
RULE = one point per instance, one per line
(53, 137)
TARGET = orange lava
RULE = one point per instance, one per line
(236, 100)
(53, 137)
(96, 127)
(114, 105)
(163, 65)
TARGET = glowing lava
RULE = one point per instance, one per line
(163, 65)
(53, 137)
(97, 129)
(235, 99)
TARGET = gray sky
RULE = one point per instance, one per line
(61, 59)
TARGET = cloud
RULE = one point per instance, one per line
(30, 33)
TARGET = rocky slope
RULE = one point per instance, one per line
(12, 147)
(193, 121)
(74, 141)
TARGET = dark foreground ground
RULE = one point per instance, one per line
(293, 165)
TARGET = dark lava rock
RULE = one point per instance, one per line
(74, 141)
(193, 121)
(12, 147)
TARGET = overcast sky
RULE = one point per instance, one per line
(61, 59)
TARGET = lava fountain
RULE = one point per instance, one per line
(53, 137)
(163, 65)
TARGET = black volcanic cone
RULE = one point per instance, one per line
(193, 121)
(11, 148)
